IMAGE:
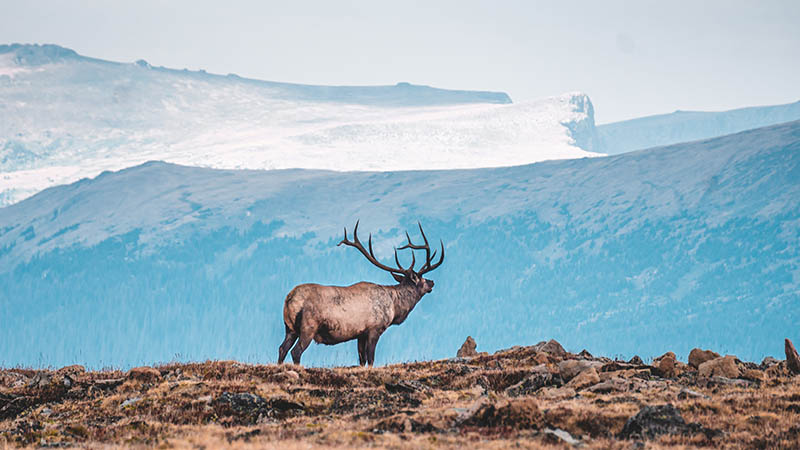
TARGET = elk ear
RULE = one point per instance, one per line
(398, 278)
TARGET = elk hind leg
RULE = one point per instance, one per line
(362, 349)
(288, 342)
(305, 339)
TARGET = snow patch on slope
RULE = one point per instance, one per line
(67, 117)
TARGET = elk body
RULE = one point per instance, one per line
(334, 314)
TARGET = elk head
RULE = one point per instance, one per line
(403, 275)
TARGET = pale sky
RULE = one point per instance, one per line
(632, 58)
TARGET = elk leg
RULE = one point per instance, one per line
(362, 350)
(372, 341)
(300, 347)
(288, 342)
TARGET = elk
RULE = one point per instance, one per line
(334, 314)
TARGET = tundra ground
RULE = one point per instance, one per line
(530, 397)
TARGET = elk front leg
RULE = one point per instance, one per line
(362, 349)
(372, 341)
(288, 342)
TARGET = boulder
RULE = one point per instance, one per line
(570, 368)
(612, 385)
(667, 365)
(467, 348)
(588, 377)
(792, 359)
(533, 383)
(552, 347)
(145, 374)
(719, 367)
(636, 360)
(697, 357)
(752, 375)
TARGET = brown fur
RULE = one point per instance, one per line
(334, 314)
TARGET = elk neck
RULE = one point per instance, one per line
(405, 299)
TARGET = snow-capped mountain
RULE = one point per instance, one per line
(684, 126)
(64, 117)
(663, 249)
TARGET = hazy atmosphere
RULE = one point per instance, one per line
(449, 224)
(632, 58)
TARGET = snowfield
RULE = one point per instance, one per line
(64, 117)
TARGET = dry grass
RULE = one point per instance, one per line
(435, 404)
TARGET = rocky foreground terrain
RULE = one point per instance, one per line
(534, 396)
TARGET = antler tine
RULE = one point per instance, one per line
(430, 267)
(413, 261)
(368, 254)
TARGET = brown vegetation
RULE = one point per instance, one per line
(535, 396)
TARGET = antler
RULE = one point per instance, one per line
(427, 267)
(371, 256)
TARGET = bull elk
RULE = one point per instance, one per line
(334, 314)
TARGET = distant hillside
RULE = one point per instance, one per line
(683, 126)
(64, 117)
(663, 249)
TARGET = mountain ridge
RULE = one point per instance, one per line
(672, 246)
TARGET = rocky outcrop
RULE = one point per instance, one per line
(719, 367)
(698, 356)
(551, 347)
(588, 377)
(144, 374)
(570, 368)
(467, 349)
(792, 359)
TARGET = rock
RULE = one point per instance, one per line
(40, 380)
(552, 347)
(666, 355)
(144, 374)
(289, 376)
(667, 365)
(685, 394)
(792, 359)
(559, 436)
(406, 386)
(697, 357)
(585, 354)
(467, 348)
(585, 379)
(612, 385)
(722, 381)
(768, 362)
(129, 402)
(570, 368)
(515, 413)
(636, 360)
(73, 370)
(720, 367)
(752, 375)
(653, 421)
(533, 383)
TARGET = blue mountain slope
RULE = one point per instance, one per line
(684, 126)
(664, 249)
